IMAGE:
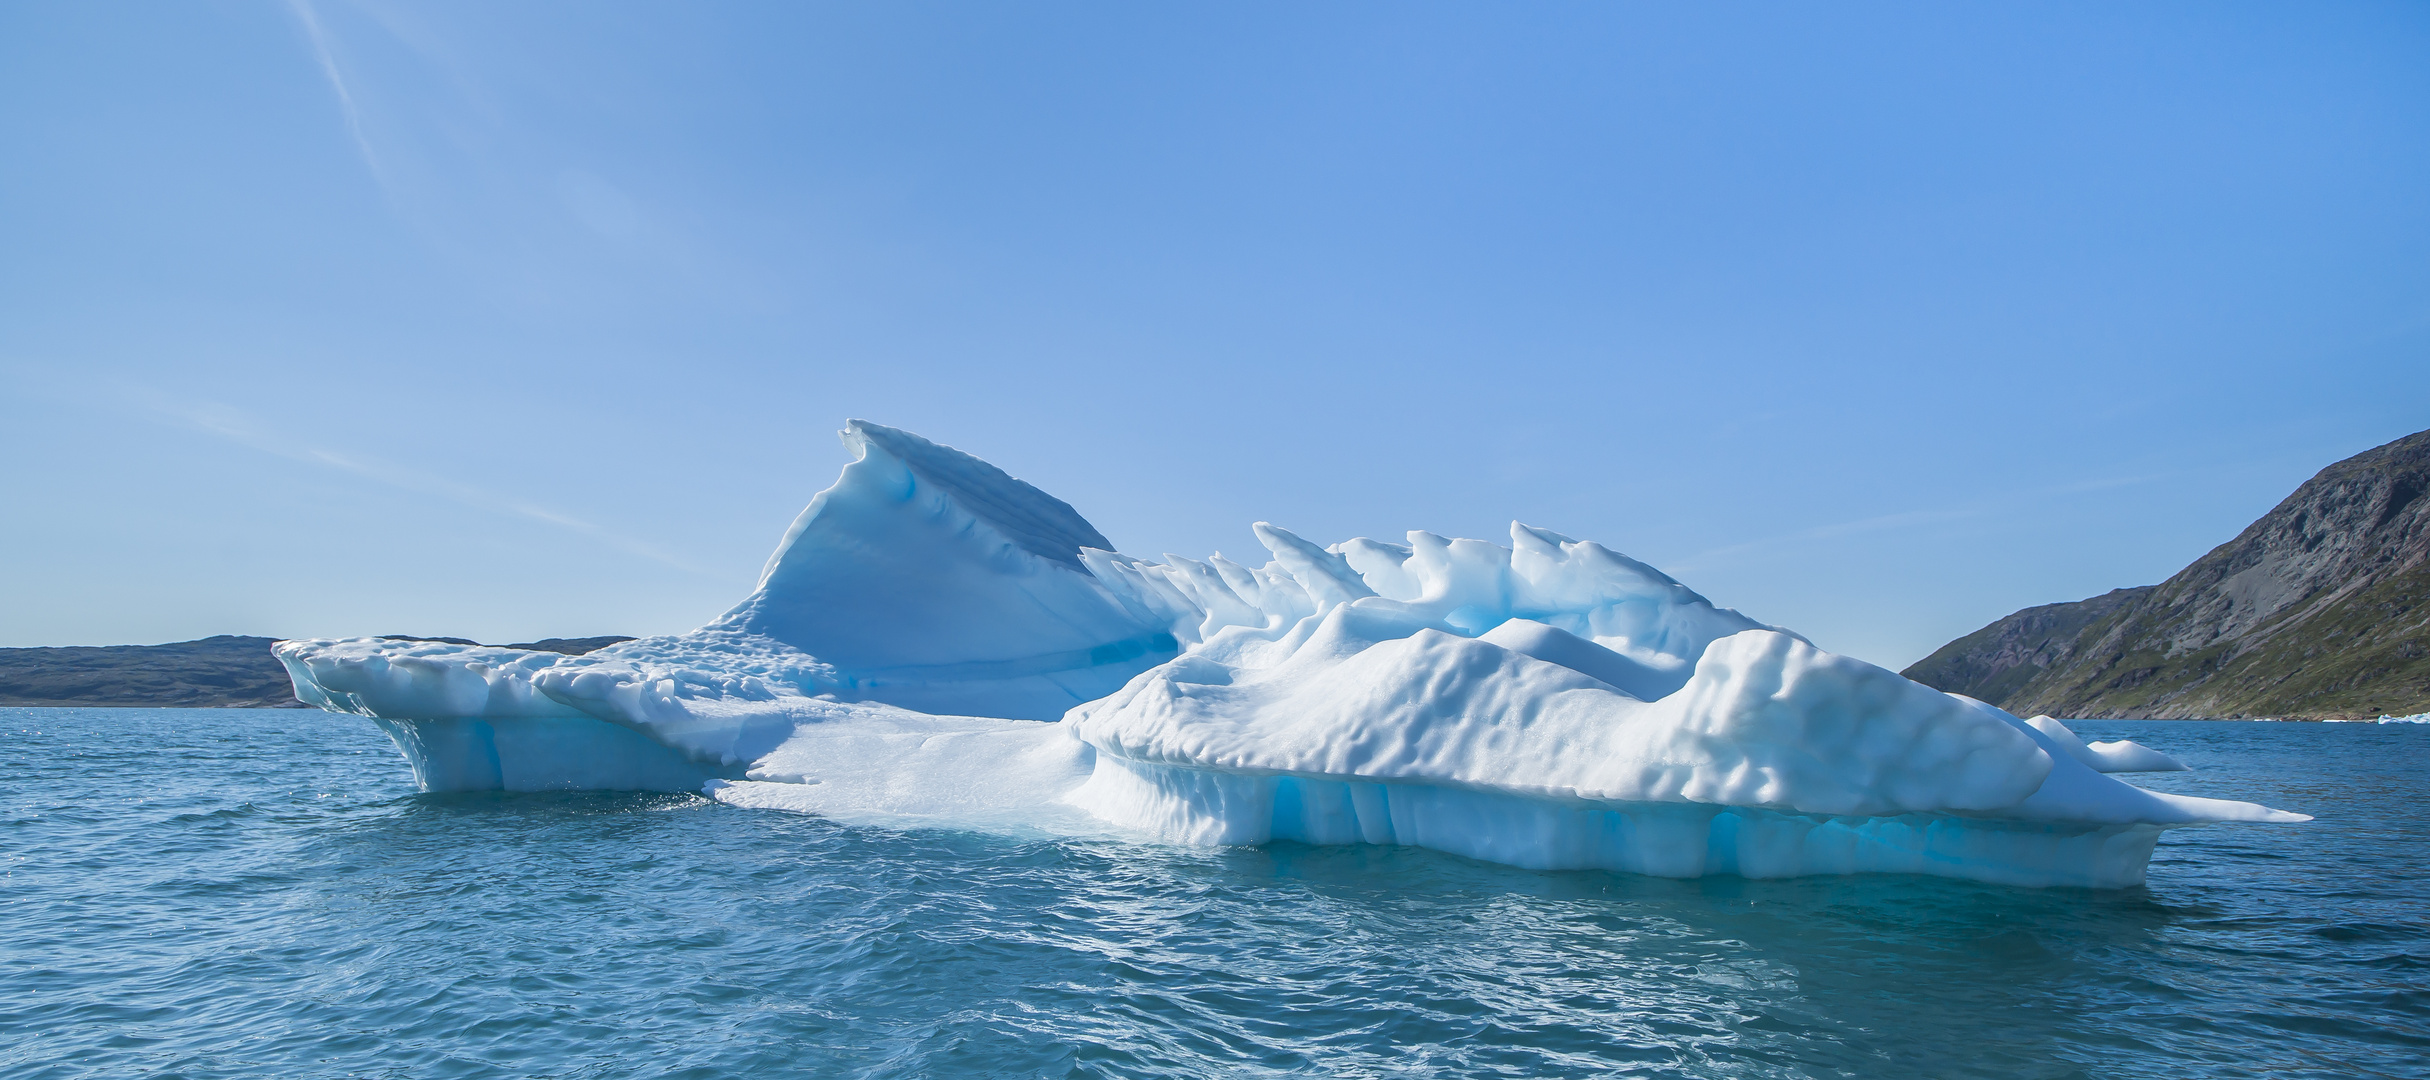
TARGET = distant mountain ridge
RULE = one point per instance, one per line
(2319, 609)
(224, 672)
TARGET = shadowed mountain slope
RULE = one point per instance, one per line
(2320, 608)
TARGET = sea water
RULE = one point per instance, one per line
(223, 893)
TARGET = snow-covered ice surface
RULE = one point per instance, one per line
(2122, 755)
(1550, 703)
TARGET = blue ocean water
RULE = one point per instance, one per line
(220, 893)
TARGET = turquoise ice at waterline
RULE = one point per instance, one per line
(936, 642)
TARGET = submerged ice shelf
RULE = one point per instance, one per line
(1550, 703)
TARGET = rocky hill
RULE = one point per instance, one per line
(2320, 609)
(214, 672)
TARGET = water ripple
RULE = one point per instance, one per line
(231, 893)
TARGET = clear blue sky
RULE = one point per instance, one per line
(511, 320)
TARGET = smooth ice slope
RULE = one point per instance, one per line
(2122, 755)
(1551, 703)
(928, 578)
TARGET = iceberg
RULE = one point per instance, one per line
(935, 641)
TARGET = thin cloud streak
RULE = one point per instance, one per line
(1907, 519)
(1883, 523)
(318, 35)
(228, 424)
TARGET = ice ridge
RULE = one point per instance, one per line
(1549, 703)
(1042, 524)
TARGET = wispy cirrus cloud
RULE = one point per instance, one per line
(232, 425)
(324, 50)
(1997, 505)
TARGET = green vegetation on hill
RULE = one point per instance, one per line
(2321, 608)
(215, 672)
(1998, 660)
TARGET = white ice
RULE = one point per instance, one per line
(2123, 755)
(1550, 703)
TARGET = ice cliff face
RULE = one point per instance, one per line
(1548, 703)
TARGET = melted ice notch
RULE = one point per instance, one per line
(1550, 703)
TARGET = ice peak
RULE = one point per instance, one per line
(1041, 524)
(1328, 577)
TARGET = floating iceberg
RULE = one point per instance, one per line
(1547, 704)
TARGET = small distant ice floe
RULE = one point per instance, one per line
(1548, 704)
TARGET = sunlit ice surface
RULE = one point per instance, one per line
(233, 894)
